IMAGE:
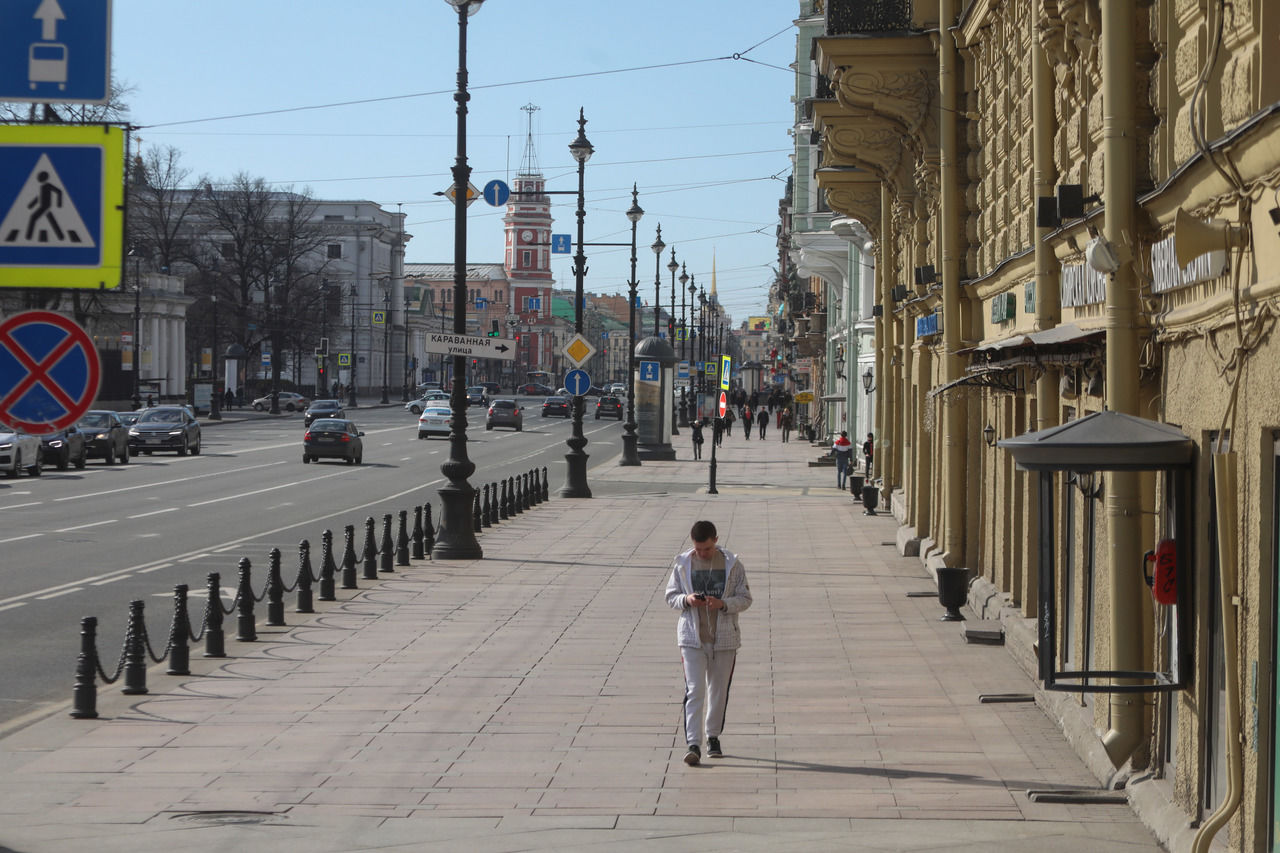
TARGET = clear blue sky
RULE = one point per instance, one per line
(702, 134)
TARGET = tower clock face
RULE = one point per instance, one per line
(526, 236)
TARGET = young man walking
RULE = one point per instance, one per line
(708, 587)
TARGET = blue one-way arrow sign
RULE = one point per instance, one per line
(55, 51)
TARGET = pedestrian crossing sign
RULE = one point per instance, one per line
(61, 205)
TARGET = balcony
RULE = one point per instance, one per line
(849, 17)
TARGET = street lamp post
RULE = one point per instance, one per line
(136, 254)
(684, 345)
(657, 247)
(703, 351)
(456, 538)
(215, 409)
(677, 412)
(351, 356)
(689, 349)
(629, 455)
(386, 344)
(408, 365)
(575, 485)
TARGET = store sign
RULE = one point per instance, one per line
(1166, 275)
(929, 324)
(1082, 285)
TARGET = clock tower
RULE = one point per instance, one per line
(527, 255)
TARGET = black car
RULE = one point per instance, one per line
(166, 428)
(333, 438)
(477, 395)
(534, 389)
(63, 448)
(106, 435)
(555, 406)
(609, 407)
(323, 409)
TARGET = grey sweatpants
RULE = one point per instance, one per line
(707, 676)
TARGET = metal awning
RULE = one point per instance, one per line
(1067, 333)
(834, 398)
(1103, 441)
(1004, 379)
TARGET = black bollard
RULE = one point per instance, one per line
(246, 631)
(84, 695)
(517, 496)
(546, 485)
(476, 524)
(503, 515)
(387, 550)
(370, 551)
(428, 530)
(214, 637)
(135, 652)
(402, 539)
(327, 567)
(179, 632)
(484, 508)
(303, 581)
(275, 589)
(416, 538)
(349, 559)
(535, 497)
(525, 480)
(493, 506)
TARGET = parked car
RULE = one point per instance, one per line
(555, 406)
(333, 438)
(534, 389)
(63, 449)
(505, 413)
(106, 435)
(477, 395)
(610, 407)
(323, 409)
(290, 401)
(593, 391)
(434, 420)
(165, 428)
(416, 406)
(424, 387)
(18, 451)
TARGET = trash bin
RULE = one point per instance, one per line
(855, 485)
(870, 499)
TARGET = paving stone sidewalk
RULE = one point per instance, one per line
(531, 701)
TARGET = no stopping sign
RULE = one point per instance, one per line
(49, 372)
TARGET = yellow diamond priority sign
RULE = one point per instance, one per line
(578, 350)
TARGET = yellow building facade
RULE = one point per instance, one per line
(1075, 208)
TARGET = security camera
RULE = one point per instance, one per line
(1101, 256)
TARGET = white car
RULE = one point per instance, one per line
(434, 420)
(437, 397)
(17, 451)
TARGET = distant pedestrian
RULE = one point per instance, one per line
(229, 400)
(787, 422)
(240, 397)
(696, 429)
(762, 418)
(708, 586)
(843, 449)
(150, 401)
(868, 450)
(746, 423)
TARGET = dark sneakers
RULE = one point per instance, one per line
(693, 756)
(713, 748)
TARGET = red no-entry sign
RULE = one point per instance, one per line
(724, 404)
(49, 372)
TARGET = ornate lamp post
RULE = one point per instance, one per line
(351, 384)
(671, 336)
(689, 347)
(386, 344)
(455, 539)
(215, 402)
(575, 485)
(629, 455)
(702, 346)
(408, 365)
(657, 247)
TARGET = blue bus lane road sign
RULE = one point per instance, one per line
(55, 51)
(49, 372)
(61, 205)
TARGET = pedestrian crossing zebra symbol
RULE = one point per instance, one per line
(44, 215)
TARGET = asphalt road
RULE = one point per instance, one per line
(86, 543)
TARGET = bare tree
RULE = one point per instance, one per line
(114, 111)
(160, 203)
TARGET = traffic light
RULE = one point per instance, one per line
(493, 328)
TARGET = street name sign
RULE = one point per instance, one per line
(49, 372)
(470, 346)
(61, 205)
(55, 51)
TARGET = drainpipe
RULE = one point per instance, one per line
(1123, 510)
(1048, 271)
(884, 377)
(950, 199)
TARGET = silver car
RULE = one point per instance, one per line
(434, 420)
(17, 451)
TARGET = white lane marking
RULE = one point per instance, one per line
(151, 569)
(109, 580)
(192, 557)
(59, 593)
(155, 512)
(20, 538)
(240, 495)
(13, 606)
(166, 482)
(20, 506)
(85, 526)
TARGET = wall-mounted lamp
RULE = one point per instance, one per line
(840, 363)
(989, 435)
(1088, 482)
(868, 381)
